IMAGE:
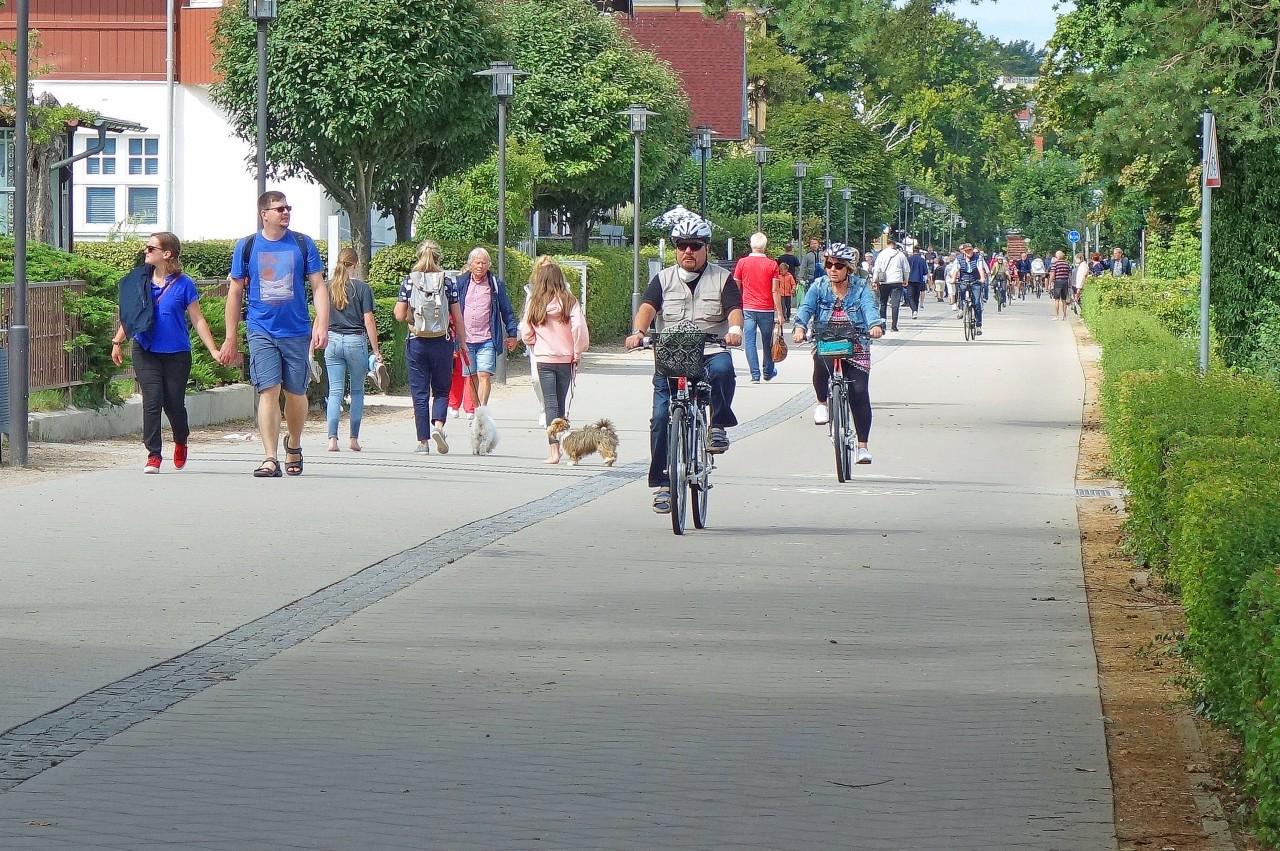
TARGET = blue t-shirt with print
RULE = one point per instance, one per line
(169, 332)
(277, 273)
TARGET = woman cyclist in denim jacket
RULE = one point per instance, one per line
(838, 296)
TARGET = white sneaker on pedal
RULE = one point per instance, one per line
(862, 455)
(821, 416)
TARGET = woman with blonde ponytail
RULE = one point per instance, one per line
(352, 333)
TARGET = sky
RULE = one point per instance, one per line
(1008, 20)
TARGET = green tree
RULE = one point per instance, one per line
(358, 88)
(1045, 197)
(464, 206)
(583, 69)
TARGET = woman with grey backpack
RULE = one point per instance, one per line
(428, 301)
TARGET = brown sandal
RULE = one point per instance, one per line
(293, 468)
(265, 472)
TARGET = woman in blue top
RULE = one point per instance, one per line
(162, 354)
(839, 296)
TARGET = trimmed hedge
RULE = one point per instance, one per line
(1198, 455)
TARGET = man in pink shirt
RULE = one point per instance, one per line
(757, 277)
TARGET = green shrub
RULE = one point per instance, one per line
(1229, 528)
(205, 371)
(1175, 303)
(120, 255)
(1260, 697)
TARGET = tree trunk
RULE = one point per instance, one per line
(406, 206)
(42, 188)
(580, 229)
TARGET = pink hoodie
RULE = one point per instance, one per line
(555, 341)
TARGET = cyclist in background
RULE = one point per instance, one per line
(971, 277)
(705, 293)
(841, 296)
(1038, 272)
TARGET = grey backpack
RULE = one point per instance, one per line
(429, 302)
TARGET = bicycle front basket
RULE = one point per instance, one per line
(836, 340)
(678, 351)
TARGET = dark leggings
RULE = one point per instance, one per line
(859, 393)
(555, 379)
(162, 378)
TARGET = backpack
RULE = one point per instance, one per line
(429, 303)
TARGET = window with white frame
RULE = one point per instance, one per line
(100, 205)
(103, 162)
(144, 156)
(144, 205)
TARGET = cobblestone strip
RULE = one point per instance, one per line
(43, 742)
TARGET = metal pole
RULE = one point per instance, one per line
(800, 214)
(635, 230)
(1206, 213)
(759, 197)
(19, 332)
(863, 247)
(262, 111)
(826, 220)
(501, 375)
(702, 191)
(170, 120)
(846, 221)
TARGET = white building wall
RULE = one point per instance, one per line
(215, 188)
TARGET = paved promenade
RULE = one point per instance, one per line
(398, 651)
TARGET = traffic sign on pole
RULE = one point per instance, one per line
(1073, 236)
(1212, 166)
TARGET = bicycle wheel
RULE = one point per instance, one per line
(999, 299)
(838, 406)
(700, 469)
(678, 466)
(969, 321)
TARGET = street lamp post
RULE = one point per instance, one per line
(263, 12)
(702, 138)
(762, 155)
(828, 181)
(846, 194)
(19, 331)
(638, 118)
(801, 169)
(502, 76)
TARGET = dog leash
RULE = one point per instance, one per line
(573, 383)
(466, 364)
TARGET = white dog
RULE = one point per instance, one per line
(484, 432)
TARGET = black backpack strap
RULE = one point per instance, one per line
(246, 251)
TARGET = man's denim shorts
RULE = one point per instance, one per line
(274, 361)
(483, 357)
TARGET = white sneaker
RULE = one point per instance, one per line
(954, 308)
(453, 412)
(442, 445)
(862, 456)
(821, 416)
(542, 420)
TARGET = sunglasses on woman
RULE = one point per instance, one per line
(835, 264)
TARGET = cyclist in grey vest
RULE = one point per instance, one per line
(705, 293)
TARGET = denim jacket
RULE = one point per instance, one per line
(820, 301)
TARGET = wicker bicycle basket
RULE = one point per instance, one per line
(678, 351)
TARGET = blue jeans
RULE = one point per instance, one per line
(975, 297)
(346, 352)
(763, 320)
(430, 361)
(722, 380)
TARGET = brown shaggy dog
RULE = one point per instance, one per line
(598, 437)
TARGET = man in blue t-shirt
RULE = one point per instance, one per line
(275, 268)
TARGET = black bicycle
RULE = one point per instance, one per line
(1001, 292)
(835, 344)
(968, 318)
(678, 356)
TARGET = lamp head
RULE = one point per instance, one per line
(638, 117)
(502, 77)
(260, 10)
(801, 169)
(762, 154)
(846, 193)
(828, 181)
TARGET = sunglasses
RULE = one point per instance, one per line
(282, 209)
(690, 246)
(835, 264)
(152, 248)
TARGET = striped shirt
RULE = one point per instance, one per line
(1060, 271)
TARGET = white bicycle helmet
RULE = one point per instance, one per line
(692, 228)
(844, 253)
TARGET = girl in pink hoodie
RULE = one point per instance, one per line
(556, 329)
